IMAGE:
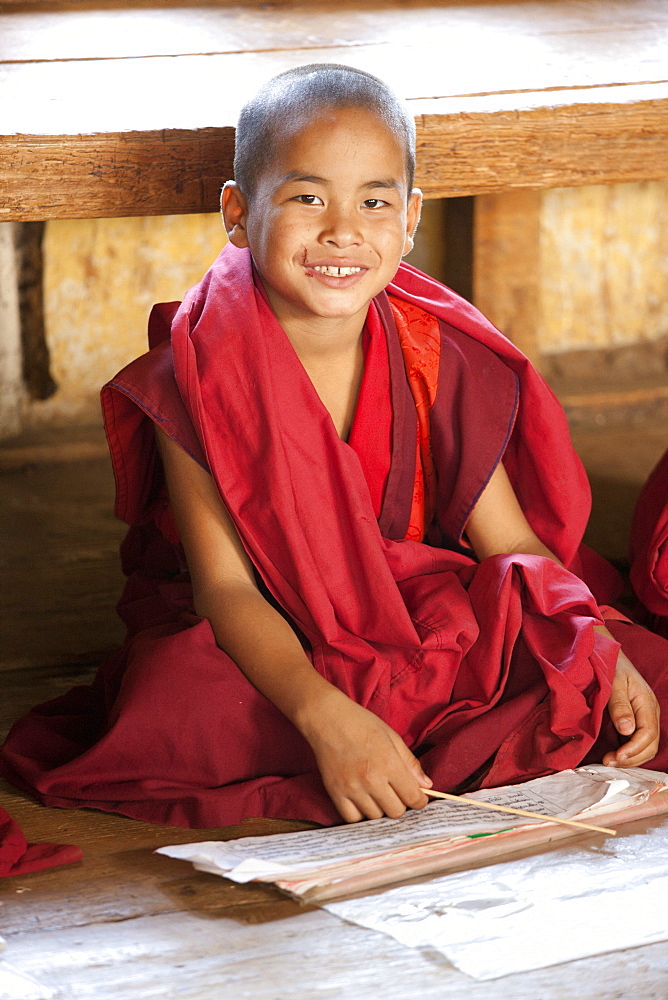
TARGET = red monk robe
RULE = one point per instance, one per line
(649, 547)
(491, 673)
(18, 857)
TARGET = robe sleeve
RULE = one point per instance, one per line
(142, 394)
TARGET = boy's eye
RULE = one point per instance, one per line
(374, 203)
(309, 199)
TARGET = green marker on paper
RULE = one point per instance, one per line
(491, 833)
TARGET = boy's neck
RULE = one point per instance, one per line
(317, 337)
(323, 338)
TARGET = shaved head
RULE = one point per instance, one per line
(293, 99)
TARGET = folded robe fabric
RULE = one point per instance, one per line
(18, 857)
(649, 546)
(490, 673)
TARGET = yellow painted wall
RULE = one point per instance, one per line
(604, 266)
(574, 268)
(101, 278)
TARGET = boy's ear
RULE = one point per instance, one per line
(412, 218)
(234, 208)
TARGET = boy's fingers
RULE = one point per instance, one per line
(409, 791)
(392, 804)
(405, 780)
(634, 711)
(621, 758)
(348, 811)
(374, 806)
(641, 748)
(622, 715)
(644, 743)
(413, 763)
(423, 779)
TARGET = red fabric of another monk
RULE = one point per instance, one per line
(487, 669)
(649, 546)
(18, 857)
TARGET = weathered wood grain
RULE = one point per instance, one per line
(459, 153)
(506, 265)
(565, 139)
(74, 97)
(132, 113)
(310, 956)
(127, 922)
(121, 877)
(94, 176)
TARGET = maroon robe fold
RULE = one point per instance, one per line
(649, 547)
(18, 857)
(489, 672)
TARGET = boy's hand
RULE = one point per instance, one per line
(634, 711)
(365, 766)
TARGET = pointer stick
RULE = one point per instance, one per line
(518, 812)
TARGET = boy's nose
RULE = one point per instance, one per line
(342, 230)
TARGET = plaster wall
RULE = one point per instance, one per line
(574, 269)
(101, 278)
(604, 266)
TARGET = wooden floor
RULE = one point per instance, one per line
(129, 924)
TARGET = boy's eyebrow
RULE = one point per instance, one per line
(295, 175)
(387, 182)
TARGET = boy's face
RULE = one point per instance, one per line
(330, 218)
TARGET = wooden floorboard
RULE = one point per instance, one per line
(121, 877)
(207, 956)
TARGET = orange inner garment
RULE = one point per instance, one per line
(420, 339)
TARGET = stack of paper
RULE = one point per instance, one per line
(324, 864)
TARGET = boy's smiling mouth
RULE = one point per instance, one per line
(336, 272)
(335, 275)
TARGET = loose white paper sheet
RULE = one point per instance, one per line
(528, 914)
(16, 985)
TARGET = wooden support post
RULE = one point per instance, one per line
(507, 265)
(29, 264)
(429, 254)
(11, 382)
(444, 243)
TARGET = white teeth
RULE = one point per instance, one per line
(337, 272)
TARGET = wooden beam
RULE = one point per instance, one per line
(30, 265)
(566, 139)
(11, 382)
(115, 174)
(128, 111)
(476, 150)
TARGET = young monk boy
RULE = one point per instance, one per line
(354, 567)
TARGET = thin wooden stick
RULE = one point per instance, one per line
(518, 812)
